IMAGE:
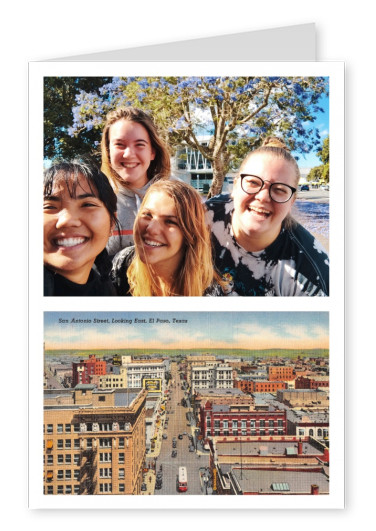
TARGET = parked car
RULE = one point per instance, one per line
(164, 436)
(180, 436)
(158, 485)
(191, 448)
(174, 444)
(304, 188)
(143, 487)
(174, 453)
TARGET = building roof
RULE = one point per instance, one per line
(265, 481)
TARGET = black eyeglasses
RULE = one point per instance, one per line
(278, 192)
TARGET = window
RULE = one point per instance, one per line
(76, 475)
(50, 459)
(105, 443)
(59, 428)
(60, 444)
(60, 458)
(68, 428)
(68, 459)
(50, 428)
(60, 474)
(271, 423)
(262, 432)
(121, 487)
(121, 473)
(262, 423)
(68, 443)
(280, 422)
(89, 443)
(50, 489)
(76, 459)
(60, 489)
(105, 472)
(68, 474)
(105, 457)
(121, 458)
(76, 428)
(68, 489)
(76, 444)
(253, 423)
(76, 489)
(105, 487)
(121, 442)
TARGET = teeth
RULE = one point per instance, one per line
(130, 165)
(260, 211)
(153, 244)
(70, 242)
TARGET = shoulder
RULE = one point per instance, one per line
(220, 208)
(123, 258)
(311, 256)
(48, 282)
(120, 264)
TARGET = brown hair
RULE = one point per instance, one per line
(159, 167)
(196, 272)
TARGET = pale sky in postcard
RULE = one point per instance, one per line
(247, 330)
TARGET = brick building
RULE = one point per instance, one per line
(221, 420)
(311, 383)
(259, 386)
(85, 371)
(93, 441)
(280, 372)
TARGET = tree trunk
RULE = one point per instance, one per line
(220, 167)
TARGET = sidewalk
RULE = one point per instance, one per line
(149, 479)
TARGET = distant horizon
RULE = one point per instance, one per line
(186, 330)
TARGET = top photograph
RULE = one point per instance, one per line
(186, 186)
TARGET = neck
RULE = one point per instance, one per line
(254, 242)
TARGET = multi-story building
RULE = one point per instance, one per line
(269, 466)
(311, 383)
(218, 376)
(221, 420)
(94, 441)
(280, 372)
(305, 423)
(313, 398)
(137, 371)
(259, 386)
(86, 371)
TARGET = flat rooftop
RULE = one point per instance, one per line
(257, 448)
(298, 482)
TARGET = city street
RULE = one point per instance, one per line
(176, 423)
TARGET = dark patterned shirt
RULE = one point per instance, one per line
(295, 264)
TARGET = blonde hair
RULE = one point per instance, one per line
(159, 168)
(275, 147)
(196, 272)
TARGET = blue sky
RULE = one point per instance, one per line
(250, 330)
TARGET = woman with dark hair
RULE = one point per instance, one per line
(133, 157)
(172, 253)
(79, 214)
(259, 248)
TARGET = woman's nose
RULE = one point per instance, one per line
(67, 217)
(127, 152)
(263, 193)
(153, 226)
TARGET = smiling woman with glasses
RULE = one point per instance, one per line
(260, 249)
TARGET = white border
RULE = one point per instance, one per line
(333, 304)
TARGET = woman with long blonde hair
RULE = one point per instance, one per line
(172, 253)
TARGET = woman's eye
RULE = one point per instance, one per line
(171, 222)
(49, 207)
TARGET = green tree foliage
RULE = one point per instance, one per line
(321, 173)
(59, 98)
(237, 112)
